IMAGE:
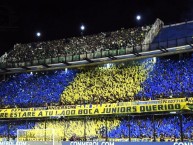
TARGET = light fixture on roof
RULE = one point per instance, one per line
(38, 34)
(173, 112)
(138, 17)
(82, 27)
(66, 70)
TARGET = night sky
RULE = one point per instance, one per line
(20, 20)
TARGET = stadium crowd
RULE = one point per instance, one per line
(169, 78)
(147, 79)
(100, 85)
(34, 90)
(77, 45)
(163, 128)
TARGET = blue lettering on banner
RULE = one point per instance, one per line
(183, 143)
(12, 143)
(92, 143)
(127, 143)
(107, 143)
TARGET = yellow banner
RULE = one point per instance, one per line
(100, 110)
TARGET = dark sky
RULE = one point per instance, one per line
(20, 20)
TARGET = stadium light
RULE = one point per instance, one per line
(66, 70)
(172, 112)
(38, 34)
(82, 27)
(138, 17)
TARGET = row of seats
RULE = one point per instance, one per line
(96, 129)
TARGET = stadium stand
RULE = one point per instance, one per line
(77, 45)
(188, 127)
(4, 129)
(175, 31)
(100, 85)
(147, 79)
(31, 89)
(168, 126)
(166, 78)
(15, 125)
(142, 128)
(175, 79)
(69, 129)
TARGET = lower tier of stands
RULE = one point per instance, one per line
(159, 127)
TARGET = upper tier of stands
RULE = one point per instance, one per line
(77, 45)
(175, 31)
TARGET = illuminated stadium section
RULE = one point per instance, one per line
(149, 79)
(22, 89)
(142, 100)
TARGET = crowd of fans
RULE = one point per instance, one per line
(100, 85)
(140, 128)
(188, 127)
(34, 90)
(169, 78)
(146, 79)
(140, 80)
(163, 128)
(78, 45)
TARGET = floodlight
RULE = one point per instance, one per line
(138, 17)
(38, 34)
(82, 27)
